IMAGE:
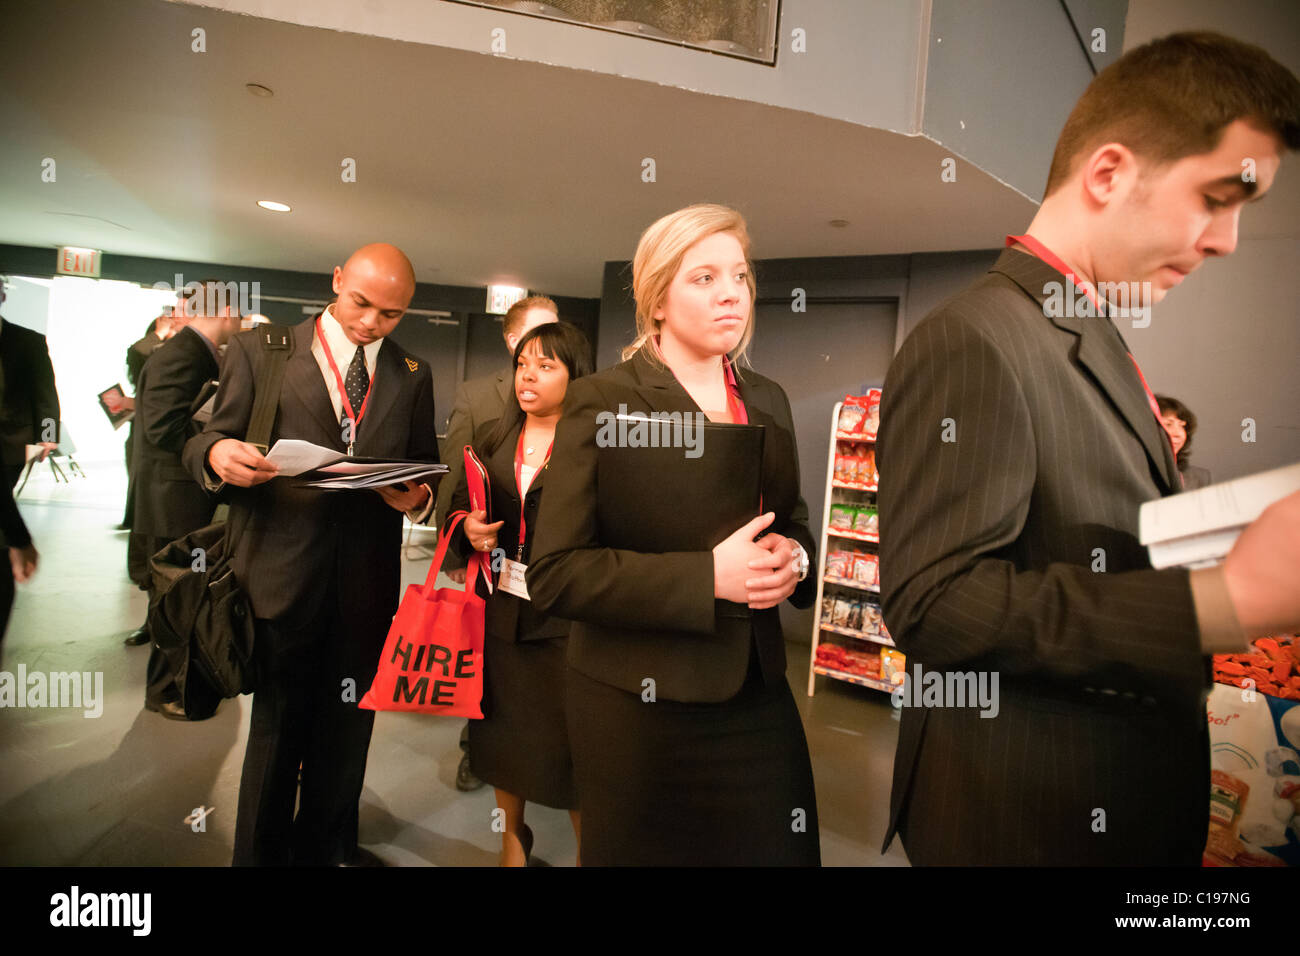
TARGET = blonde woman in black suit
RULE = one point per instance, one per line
(712, 768)
(521, 745)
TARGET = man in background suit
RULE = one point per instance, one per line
(321, 569)
(481, 400)
(1016, 445)
(20, 557)
(160, 329)
(168, 504)
(30, 411)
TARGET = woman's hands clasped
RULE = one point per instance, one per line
(758, 573)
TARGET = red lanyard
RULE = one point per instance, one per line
(519, 483)
(1053, 260)
(343, 392)
(735, 407)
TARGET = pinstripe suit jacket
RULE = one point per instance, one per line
(991, 560)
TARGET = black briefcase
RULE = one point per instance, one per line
(199, 617)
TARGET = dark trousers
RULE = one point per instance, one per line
(6, 592)
(304, 715)
(10, 475)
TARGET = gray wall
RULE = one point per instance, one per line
(1027, 66)
(861, 62)
(1226, 342)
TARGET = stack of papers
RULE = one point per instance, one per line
(333, 470)
(1198, 528)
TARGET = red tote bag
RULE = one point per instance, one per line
(433, 658)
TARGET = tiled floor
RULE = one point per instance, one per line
(117, 789)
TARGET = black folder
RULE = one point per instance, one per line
(705, 499)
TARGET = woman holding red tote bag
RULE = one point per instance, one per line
(521, 745)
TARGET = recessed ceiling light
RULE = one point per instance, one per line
(257, 89)
(839, 223)
(273, 205)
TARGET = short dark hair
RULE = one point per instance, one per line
(561, 341)
(515, 314)
(1173, 97)
(1170, 405)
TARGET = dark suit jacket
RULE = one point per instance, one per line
(654, 615)
(138, 354)
(13, 530)
(1196, 477)
(508, 617)
(30, 398)
(989, 550)
(302, 544)
(479, 402)
(168, 504)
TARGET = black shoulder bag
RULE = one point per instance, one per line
(199, 616)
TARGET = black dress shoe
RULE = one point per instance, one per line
(140, 636)
(171, 709)
(465, 779)
(362, 857)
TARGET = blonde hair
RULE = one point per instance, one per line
(659, 256)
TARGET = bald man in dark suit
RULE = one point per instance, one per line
(321, 569)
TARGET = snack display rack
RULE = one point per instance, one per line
(850, 641)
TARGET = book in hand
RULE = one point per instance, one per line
(714, 493)
(116, 405)
(333, 470)
(1198, 528)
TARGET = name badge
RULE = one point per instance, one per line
(512, 579)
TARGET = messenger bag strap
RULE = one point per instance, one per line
(277, 346)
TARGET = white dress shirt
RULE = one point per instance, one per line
(343, 349)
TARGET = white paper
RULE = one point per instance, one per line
(1198, 527)
(294, 456)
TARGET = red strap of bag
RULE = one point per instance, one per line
(479, 560)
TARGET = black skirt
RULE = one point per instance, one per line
(522, 743)
(665, 783)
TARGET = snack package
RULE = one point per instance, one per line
(871, 424)
(828, 608)
(855, 615)
(842, 517)
(837, 564)
(864, 520)
(870, 618)
(1254, 817)
(842, 610)
(867, 467)
(893, 665)
(852, 414)
(865, 567)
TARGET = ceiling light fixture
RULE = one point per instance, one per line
(272, 205)
(257, 89)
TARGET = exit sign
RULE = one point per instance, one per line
(77, 261)
(501, 297)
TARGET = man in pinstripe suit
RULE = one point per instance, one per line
(1017, 441)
